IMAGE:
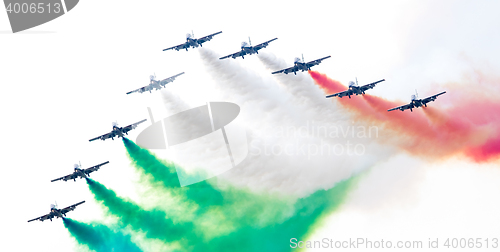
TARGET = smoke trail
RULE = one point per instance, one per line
(308, 211)
(155, 223)
(290, 127)
(246, 214)
(209, 201)
(482, 111)
(165, 173)
(486, 152)
(255, 222)
(252, 236)
(99, 237)
(173, 103)
(142, 158)
(429, 132)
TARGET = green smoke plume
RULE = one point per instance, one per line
(161, 171)
(253, 222)
(213, 204)
(99, 237)
(155, 223)
(226, 219)
(250, 237)
(276, 237)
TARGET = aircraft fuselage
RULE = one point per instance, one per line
(418, 103)
(301, 66)
(55, 213)
(356, 90)
(248, 50)
(193, 43)
(117, 131)
(80, 173)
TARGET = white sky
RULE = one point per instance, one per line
(64, 82)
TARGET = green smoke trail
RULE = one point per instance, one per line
(203, 193)
(99, 237)
(163, 171)
(252, 222)
(252, 237)
(155, 223)
(276, 237)
(213, 203)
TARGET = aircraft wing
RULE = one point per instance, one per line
(142, 89)
(132, 126)
(169, 79)
(432, 98)
(316, 62)
(341, 94)
(402, 108)
(234, 55)
(42, 218)
(94, 168)
(66, 178)
(286, 70)
(263, 45)
(178, 47)
(371, 85)
(104, 137)
(71, 208)
(206, 38)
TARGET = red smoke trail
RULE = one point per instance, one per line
(330, 86)
(428, 131)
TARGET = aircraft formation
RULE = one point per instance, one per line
(78, 172)
(246, 49)
(299, 65)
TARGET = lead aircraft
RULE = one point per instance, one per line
(192, 42)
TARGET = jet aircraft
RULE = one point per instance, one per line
(192, 42)
(355, 89)
(57, 213)
(117, 131)
(79, 172)
(247, 48)
(299, 65)
(415, 102)
(155, 84)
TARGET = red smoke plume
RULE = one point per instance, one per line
(471, 127)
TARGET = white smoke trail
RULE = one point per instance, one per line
(173, 103)
(299, 142)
